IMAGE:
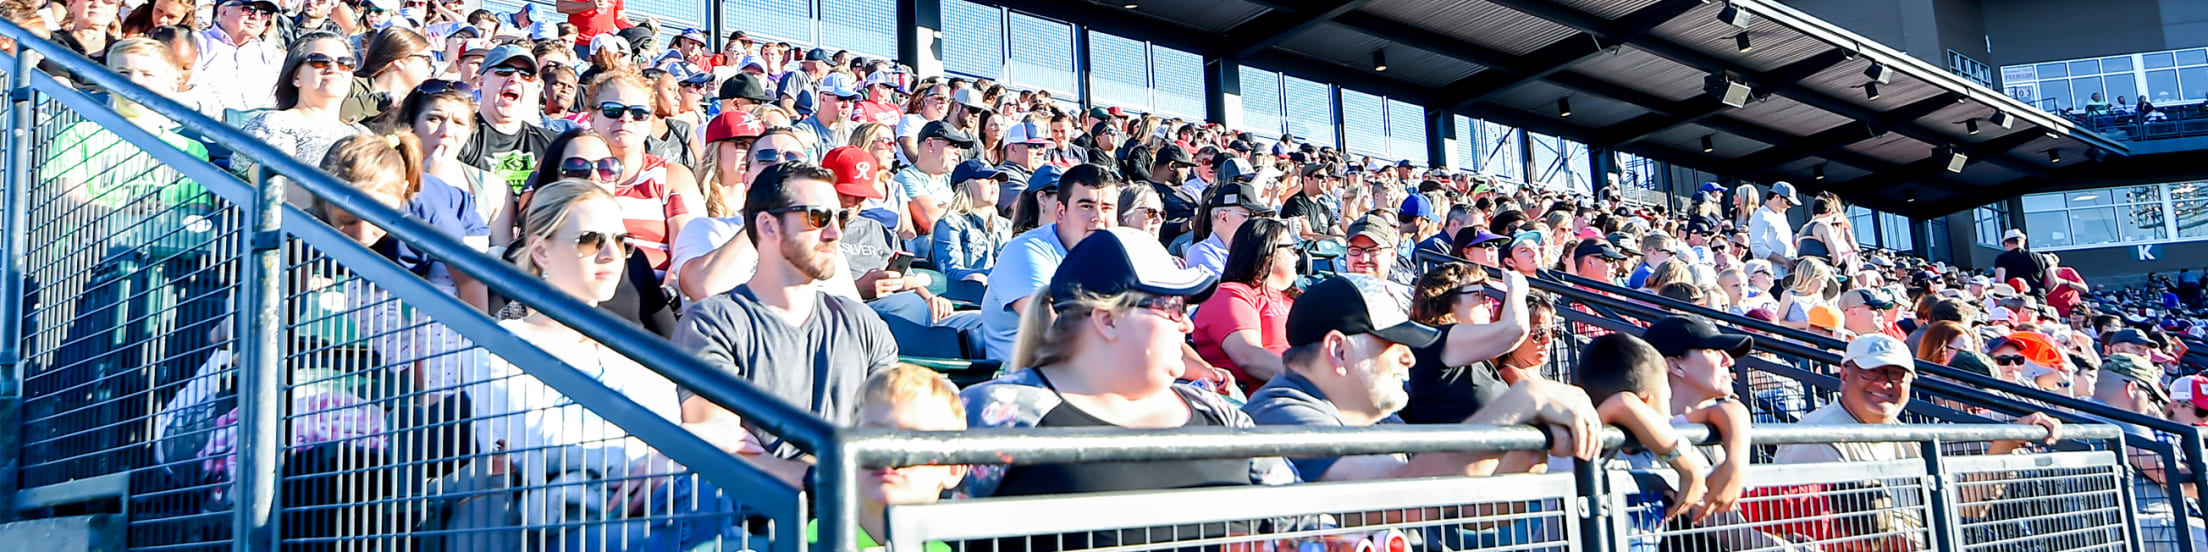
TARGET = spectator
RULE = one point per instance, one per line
(2189, 401)
(161, 13)
(1865, 312)
(507, 140)
(1086, 200)
(876, 140)
(881, 105)
(1655, 249)
(1241, 327)
(100, 168)
(1825, 320)
(797, 87)
(1875, 378)
(439, 114)
(1317, 220)
(1945, 341)
(909, 398)
(1352, 344)
(561, 90)
(672, 136)
(1596, 259)
(2130, 341)
(1422, 220)
(1226, 209)
(831, 121)
(592, 18)
(926, 182)
(929, 104)
(1461, 372)
(1826, 235)
(87, 27)
(1373, 245)
(970, 233)
(1139, 209)
(779, 331)
(1476, 244)
(1179, 199)
(1770, 236)
(657, 195)
(237, 66)
(1809, 285)
(393, 62)
(1525, 253)
(1023, 145)
(2019, 261)
(1118, 283)
(1626, 376)
(2066, 289)
(712, 261)
(313, 16)
(305, 121)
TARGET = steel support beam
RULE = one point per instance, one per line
(1564, 54)
(1709, 108)
(1279, 24)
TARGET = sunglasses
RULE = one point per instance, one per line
(2009, 360)
(606, 169)
(509, 71)
(257, 9)
(817, 217)
(1172, 307)
(769, 157)
(695, 85)
(613, 110)
(440, 86)
(324, 61)
(589, 244)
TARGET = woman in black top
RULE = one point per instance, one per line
(1453, 378)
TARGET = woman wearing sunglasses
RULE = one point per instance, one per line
(1483, 350)
(1243, 327)
(658, 194)
(316, 75)
(580, 155)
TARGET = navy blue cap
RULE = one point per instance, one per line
(1125, 259)
(1045, 177)
(974, 169)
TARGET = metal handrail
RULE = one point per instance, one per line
(758, 407)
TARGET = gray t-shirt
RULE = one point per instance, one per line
(866, 246)
(819, 366)
(1290, 399)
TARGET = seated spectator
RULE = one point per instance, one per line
(909, 398)
(316, 76)
(1809, 284)
(1948, 342)
(967, 238)
(1086, 200)
(658, 195)
(1461, 372)
(1864, 312)
(1241, 328)
(1597, 259)
(926, 182)
(1099, 346)
(1347, 365)
(2131, 383)
(1140, 209)
(584, 156)
(1480, 246)
(1373, 247)
(1524, 255)
(440, 115)
(713, 261)
(1875, 379)
(1226, 208)
(1319, 221)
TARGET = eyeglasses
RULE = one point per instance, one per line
(1890, 375)
(613, 110)
(817, 217)
(694, 85)
(257, 10)
(1146, 213)
(589, 244)
(2009, 360)
(1473, 290)
(769, 157)
(324, 61)
(1172, 307)
(1364, 251)
(1497, 244)
(509, 71)
(440, 86)
(607, 169)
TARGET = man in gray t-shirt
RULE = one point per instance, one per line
(779, 331)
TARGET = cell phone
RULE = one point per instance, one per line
(901, 263)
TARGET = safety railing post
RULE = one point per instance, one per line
(260, 370)
(836, 486)
(2126, 492)
(2189, 452)
(1945, 532)
(18, 179)
(1595, 515)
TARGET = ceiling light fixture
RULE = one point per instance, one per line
(1870, 90)
(1130, 4)
(1727, 89)
(1971, 125)
(1709, 143)
(1879, 73)
(1564, 106)
(1379, 60)
(1954, 158)
(1741, 41)
(2054, 156)
(1733, 15)
(2002, 119)
(1817, 172)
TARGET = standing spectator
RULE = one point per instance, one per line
(2066, 289)
(592, 18)
(1227, 209)
(2019, 261)
(1087, 200)
(237, 67)
(1241, 328)
(970, 233)
(1770, 236)
(780, 331)
(317, 72)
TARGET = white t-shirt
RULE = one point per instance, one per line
(705, 234)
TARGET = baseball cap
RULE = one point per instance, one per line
(699, 77)
(817, 54)
(2138, 370)
(694, 34)
(608, 40)
(1025, 133)
(2036, 348)
(1824, 316)
(969, 98)
(1354, 304)
(1416, 205)
(730, 125)
(1597, 247)
(974, 169)
(1875, 351)
(1872, 298)
(1701, 225)
(1233, 168)
(1980, 280)
(1786, 190)
(2130, 335)
(506, 54)
(1099, 113)
(1238, 194)
(2189, 389)
(1379, 231)
(1045, 178)
(855, 171)
(752, 61)
(1758, 265)
(839, 85)
(745, 86)
(1529, 238)
(1125, 259)
(937, 129)
(1175, 154)
(1674, 336)
(1473, 235)
(271, 5)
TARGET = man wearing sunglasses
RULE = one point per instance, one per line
(507, 141)
(927, 180)
(779, 330)
(1023, 153)
(237, 68)
(831, 120)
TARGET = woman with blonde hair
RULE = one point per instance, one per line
(1810, 284)
(878, 140)
(970, 232)
(659, 195)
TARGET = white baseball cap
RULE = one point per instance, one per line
(1879, 351)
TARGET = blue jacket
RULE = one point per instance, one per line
(967, 244)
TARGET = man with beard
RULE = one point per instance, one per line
(507, 141)
(780, 331)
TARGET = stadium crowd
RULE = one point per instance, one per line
(785, 214)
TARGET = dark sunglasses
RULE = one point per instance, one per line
(576, 167)
(1173, 307)
(695, 85)
(589, 244)
(257, 9)
(2009, 360)
(440, 86)
(768, 156)
(613, 110)
(324, 61)
(509, 71)
(817, 217)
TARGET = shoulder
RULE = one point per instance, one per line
(1017, 399)
(1281, 405)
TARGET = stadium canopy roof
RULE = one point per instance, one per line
(1636, 76)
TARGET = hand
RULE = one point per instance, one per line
(1513, 282)
(1692, 488)
(2041, 419)
(879, 282)
(1574, 428)
(938, 307)
(1726, 483)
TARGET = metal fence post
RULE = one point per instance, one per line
(12, 283)
(1944, 530)
(260, 367)
(1594, 519)
(836, 483)
(2127, 494)
(2191, 451)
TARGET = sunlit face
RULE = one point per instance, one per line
(581, 257)
(625, 132)
(149, 70)
(443, 127)
(914, 484)
(1876, 395)
(1541, 333)
(318, 85)
(508, 88)
(171, 12)
(1087, 209)
(376, 187)
(730, 162)
(1367, 257)
(1486, 254)
(1148, 215)
(1381, 367)
(589, 147)
(809, 250)
(774, 142)
(1705, 373)
(982, 191)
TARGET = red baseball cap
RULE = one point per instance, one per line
(732, 125)
(855, 171)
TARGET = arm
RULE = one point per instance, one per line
(923, 208)
(1563, 409)
(572, 7)
(1641, 421)
(1727, 479)
(1242, 347)
(716, 272)
(1470, 343)
(725, 429)
(948, 248)
(682, 191)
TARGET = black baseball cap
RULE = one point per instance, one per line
(745, 86)
(1125, 259)
(936, 129)
(1238, 194)
(1597, 247)
(1354, 304)
(1674, 336)
(1176, 155)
